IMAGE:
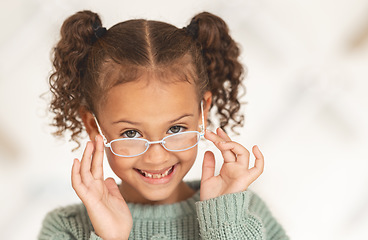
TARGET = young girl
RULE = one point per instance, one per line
(143, 91)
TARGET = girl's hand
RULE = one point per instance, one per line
(235, 175)
(108, 211)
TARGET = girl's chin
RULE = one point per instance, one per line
(166, 195)
(159, 199)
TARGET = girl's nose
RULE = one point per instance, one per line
(156, 154)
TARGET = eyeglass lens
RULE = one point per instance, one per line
(135, 146)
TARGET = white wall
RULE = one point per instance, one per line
(307, 107)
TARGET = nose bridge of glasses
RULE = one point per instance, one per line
(156, 142)
(149, 143)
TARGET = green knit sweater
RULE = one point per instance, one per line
(233, 216)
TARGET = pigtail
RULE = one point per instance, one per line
(224, 70)
(78, 33)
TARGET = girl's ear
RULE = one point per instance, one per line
(207, 100)
(89, 122)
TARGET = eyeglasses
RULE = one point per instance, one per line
(132, 147)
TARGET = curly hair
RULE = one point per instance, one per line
(85, 65)
(220, 53)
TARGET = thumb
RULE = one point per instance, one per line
(208, 167)
(113, 188)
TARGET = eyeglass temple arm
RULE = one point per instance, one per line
(203, 127)
(100, 131)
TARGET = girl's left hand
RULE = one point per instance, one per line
(235, 174)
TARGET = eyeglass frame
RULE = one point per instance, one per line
(149, 143)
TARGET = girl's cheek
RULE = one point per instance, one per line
(117, 163)
(110, 156)
(187, 156)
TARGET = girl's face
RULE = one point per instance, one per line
(151, 109)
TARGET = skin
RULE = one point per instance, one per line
(153, 109)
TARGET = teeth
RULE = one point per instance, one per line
(156, 175)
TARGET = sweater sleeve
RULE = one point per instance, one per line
(237, 216)
(70, 223)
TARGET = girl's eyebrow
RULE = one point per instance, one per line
(126, 121)
(183, 116)
(137, 123)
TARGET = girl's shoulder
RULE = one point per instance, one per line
(68, 222)
(68, 211)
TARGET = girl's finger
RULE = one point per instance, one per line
(227, 155)
(97, 159)
(213, 137)
(241, 153)
(113, 188)
(208, 167)
(223, 134)
(230, 157)
(257, 170)
(85, 170)
(77, 183)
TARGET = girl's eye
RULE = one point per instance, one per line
(176, 129)
(131, 134)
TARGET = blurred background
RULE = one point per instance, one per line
(307, 107)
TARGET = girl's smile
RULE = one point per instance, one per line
(157, 176)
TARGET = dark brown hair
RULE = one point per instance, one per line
(88, 63)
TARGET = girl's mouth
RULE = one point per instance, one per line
(156, 175)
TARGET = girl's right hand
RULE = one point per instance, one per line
(107, 209)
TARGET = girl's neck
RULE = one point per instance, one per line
(182, 192)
